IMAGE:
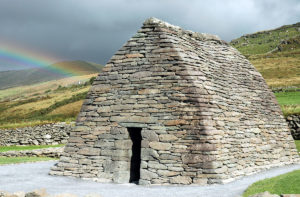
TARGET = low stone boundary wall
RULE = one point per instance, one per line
(48, 134)
(294, 124)
(45, 152)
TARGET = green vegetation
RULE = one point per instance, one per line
(13, 160)
(33, 147)
(297, 142)
(41, 114)
(62, 103)
(288, 98)
(274, 53)
(289, 102)
(265, 41)
(280, 69)
(45, 111)
(283, 184)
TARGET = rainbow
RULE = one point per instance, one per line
(30, 59)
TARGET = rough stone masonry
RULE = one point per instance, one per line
(50, 134)
(176, 107)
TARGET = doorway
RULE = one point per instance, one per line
(135, 163)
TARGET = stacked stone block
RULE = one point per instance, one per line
(48, 134)
(207, 116)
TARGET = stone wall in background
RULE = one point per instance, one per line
(49, 134)
(294, 124)
(54, 152)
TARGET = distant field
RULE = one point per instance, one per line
(41, 89)
(275, 54)
(43, 103)
(289, 102)
(33, 147)
(265, 41)
(14, 160)
(297, 142)
(279, 71)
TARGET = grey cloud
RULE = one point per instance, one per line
(93, 30)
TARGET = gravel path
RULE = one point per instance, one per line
(32, 176)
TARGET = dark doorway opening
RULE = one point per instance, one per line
(135, 165)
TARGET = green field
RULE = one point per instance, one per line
(14, 160)
(33, 147)
(288, 98)
(283, 184)
(297, 142)
(265, 41)
(289, 102)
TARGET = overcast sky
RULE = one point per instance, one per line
(93, 30)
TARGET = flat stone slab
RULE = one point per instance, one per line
(31, 176)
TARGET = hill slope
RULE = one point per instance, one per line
(51, 101)
(265, 41)
(9, 79)
(275, 54)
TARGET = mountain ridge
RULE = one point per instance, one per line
(275, 54)
(15, 78)
(265, 41)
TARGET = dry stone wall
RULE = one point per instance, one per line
(206, 115)
(49, 134)
(294, 125)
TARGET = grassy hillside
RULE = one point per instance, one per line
(265, 41)
(9, 79)
(54, 101)
(275, 54)
(289, 102)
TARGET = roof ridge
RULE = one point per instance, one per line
(199, 36)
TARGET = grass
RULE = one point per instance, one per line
(288, 98)
(265, 41)
(297, 142)
(14, 160)
(283, 184)
(71, 109)
(289, 102)
(26, 123)
(279, 71)
(61, 103)
(35, 90)
(33, 147)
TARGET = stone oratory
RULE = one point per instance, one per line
(176, 107)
